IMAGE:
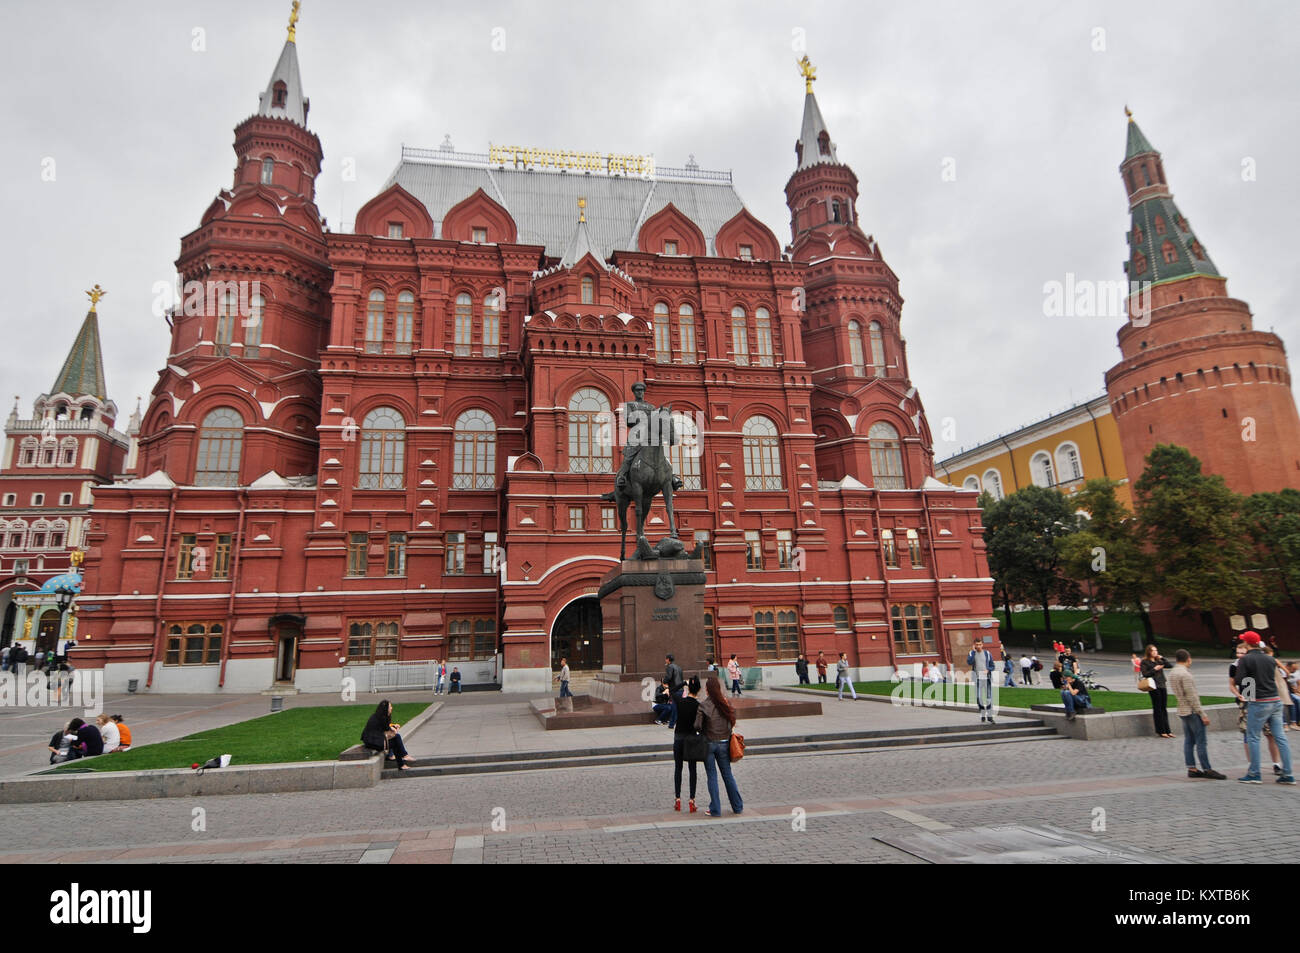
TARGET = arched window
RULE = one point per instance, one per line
(971, 483)
(877, 349)
(1140, 263)
(589, 436)
(278, 93)
(27, 456)
(227, 308)
(1040, 469)
(993, 483)
(588, 290)
(221, 438)
(476, 452)
(685, 453)
(663, 335)
(686, 333)
(856, 357)
(68, 452)
(268, 170)
(404, 327)
(762, 455)
(841, 616)
(1068, 464)
(383, 450)
(763, 337)
(837, 211)
(886, 457)
(375, 323)
(464, 325)
(491, 325)
(1137, 234)
(1169, 253)
(88, 412)
(253, 327)
(739, 336)
(1160, 224)
(61, 412)
(1146, 175)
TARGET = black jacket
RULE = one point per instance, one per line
(89, 736)
(372, 736)
(1148, 669)
(686, 709)
(673, 676)
(801, 667)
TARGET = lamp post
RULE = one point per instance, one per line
(63, 597)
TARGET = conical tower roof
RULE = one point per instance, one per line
(581, 245)
(1137, 143)
(83, 369)
(811, 133)
(291, 105)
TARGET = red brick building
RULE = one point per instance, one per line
(390, 446)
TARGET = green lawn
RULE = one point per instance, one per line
(1115, 628)
(1025, 697)
(296, 734)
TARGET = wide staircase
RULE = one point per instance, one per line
(1011, 731)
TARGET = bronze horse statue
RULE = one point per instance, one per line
(649, 474)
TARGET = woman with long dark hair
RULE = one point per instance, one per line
(716, 717)
(684, 740)
(381, 734)
(1153, 667)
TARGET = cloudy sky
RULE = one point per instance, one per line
(131, 107)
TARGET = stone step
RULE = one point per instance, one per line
(639, 754)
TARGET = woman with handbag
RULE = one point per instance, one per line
(717, 718)
(1153, 674)
(381, 734)
(688, 744)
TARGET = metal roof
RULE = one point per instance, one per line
(286, 71)
(83, 369)
(544, 203)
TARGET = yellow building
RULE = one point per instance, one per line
(1062, 451)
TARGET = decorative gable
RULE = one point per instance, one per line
(479, 211)
(669, 228)
(394, 206)
(744, 230)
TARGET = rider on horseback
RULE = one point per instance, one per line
(636, 413)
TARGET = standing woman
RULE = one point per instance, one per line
(716, 717)
(683, 736)
(380, 733)
(1153, 667)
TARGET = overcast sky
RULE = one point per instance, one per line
(1025, 99)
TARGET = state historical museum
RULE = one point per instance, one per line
(393, 448)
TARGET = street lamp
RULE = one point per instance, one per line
(63, 597)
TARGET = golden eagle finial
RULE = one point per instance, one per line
(1128, 112)
(808, 71)
(293, 21)
(95, 294)
(582, 214)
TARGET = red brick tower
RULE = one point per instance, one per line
(1194, 372)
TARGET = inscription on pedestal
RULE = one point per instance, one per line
(654, 608)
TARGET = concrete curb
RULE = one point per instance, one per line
(1101, 727)
(360, 752)
(185, 782)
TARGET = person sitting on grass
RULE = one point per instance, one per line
(61, 744)
(109, 733)
(1075, 696)
(123, 732)
(89, 740)
(381, 734)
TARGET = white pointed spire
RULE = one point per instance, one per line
(811, 133)
(283, 98)
(581, 244)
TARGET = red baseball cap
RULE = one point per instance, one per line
(1250, 638)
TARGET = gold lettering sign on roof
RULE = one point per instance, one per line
(527, 157)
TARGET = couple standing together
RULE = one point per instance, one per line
(702, 732)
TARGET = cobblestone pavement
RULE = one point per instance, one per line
(623, 813)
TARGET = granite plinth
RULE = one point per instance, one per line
(652, 608)
(583, 711)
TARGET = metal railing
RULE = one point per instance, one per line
(399, 676)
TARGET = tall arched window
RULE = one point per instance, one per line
(762, 454)
(971, 483)
(1068, 463)
(27, 455)
(68, 452)
(589, 432)
(383, 451)
(253, 327)
(993, 483)
(375, 323)
(856, 357)
(739, 336)
(221, 438)
(1040, 468)
(1169, 253)
(227, 308)
(404, 327)
(686, 333)
(763, 337)
(663, 335)
(877, 349)
(476, 452)
(464, 325)
(268, 170)
(685, 453)
(588, 290)
(886, 457)
(1160, 223)
(491, 325)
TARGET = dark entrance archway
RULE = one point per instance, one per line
(576, 636)
(47, 635)
(7, 630)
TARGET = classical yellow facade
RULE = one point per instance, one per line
(1062, 451)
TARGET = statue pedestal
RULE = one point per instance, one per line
(652, 608)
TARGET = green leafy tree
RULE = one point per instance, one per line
(1201, 551)
(1106, 555)
(1273, 520)
(1020, 534)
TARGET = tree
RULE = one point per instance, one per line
(1201, 551)
(1273, 521)
(1107, 552)
(1020, 533)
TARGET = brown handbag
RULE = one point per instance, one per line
(737, 746)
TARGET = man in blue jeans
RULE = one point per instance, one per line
(1075, 696)
(980, 661)
(673, 676)
(1256, 678)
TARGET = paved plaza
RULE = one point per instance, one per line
(828, 807)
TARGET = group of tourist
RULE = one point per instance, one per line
(82, 739)
(16, 659)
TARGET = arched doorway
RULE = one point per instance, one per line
(47, 636)
(576, 636)
(7, 630)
